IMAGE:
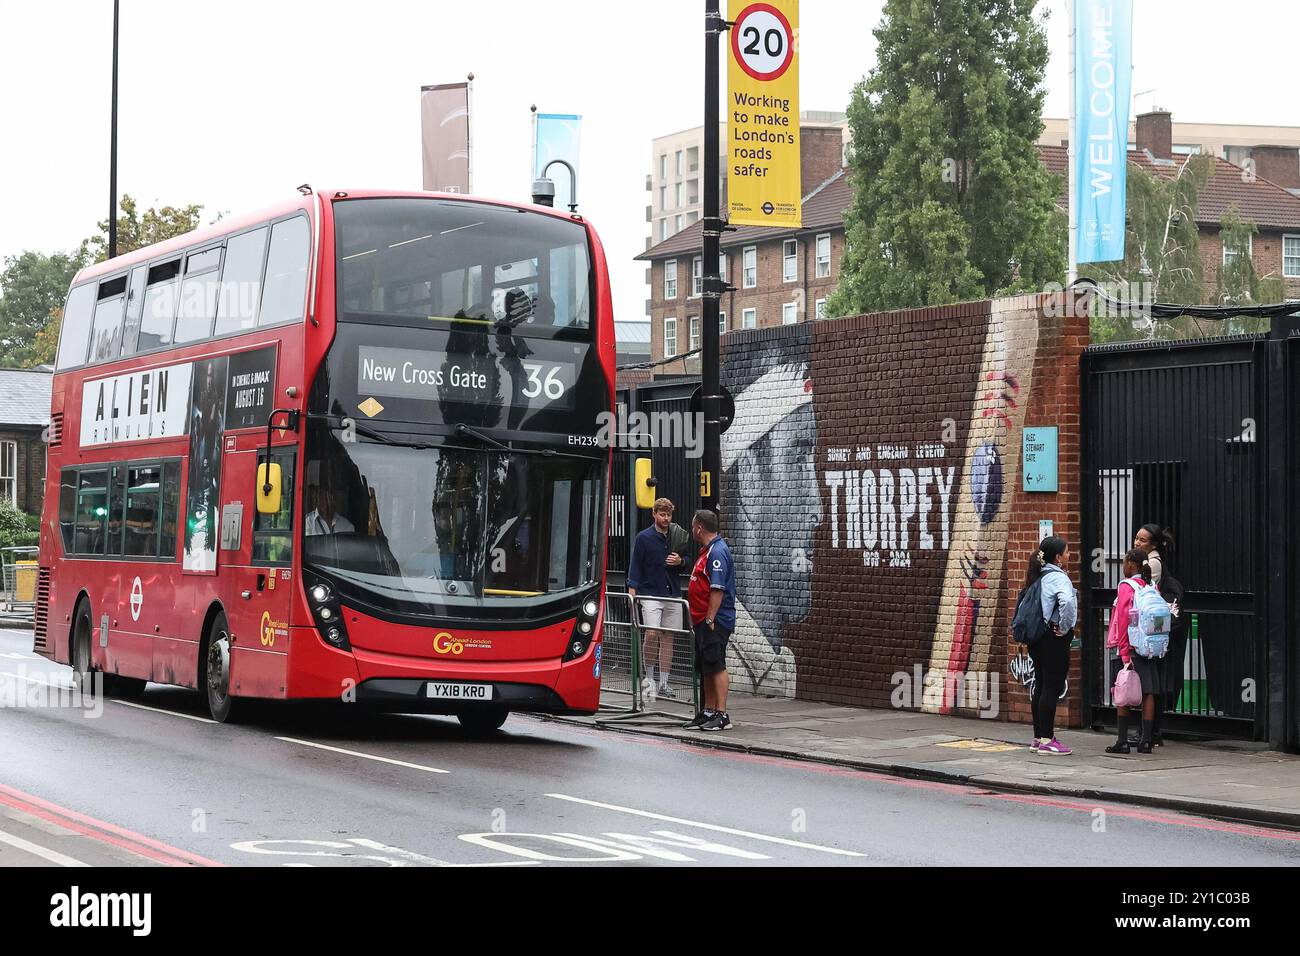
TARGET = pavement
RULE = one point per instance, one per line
(1223, 780)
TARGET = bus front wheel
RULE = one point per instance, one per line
(216, 670)
(485, 721)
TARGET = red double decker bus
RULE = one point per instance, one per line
(343, 448)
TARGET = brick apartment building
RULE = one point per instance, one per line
(781, 275)
(784, 276)
(1267, 194)
(24, 413)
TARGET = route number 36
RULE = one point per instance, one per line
(552, 385)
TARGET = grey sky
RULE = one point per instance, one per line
(232, 105)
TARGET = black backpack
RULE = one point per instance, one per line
(1029, 624)
(1172, 591)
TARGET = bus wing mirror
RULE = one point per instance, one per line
(645, 483)
(268, 488)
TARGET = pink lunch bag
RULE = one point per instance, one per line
(1127, 691)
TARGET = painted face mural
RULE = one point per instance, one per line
(773, 509)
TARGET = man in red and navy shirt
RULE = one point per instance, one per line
(712, 599)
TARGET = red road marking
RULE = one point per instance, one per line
(101, 830)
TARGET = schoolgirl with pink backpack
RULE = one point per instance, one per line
(1139, 630)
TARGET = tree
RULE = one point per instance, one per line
(1238, 282)
(32, 289)
(1162, 256)
(37, 342)
(950, 200)
(136, 230)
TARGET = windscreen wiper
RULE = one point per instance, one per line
(463, 429)
(381, 437)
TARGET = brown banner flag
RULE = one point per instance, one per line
(444, 126)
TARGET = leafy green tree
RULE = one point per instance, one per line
(136, 229)
(1162, 255)
(950, 201)
(16, 528)
(1238, 282)
(33, 341)
(32, 289)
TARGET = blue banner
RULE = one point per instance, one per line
(557, 136)
(1103, 73)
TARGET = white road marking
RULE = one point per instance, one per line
(708, 826)
(35, 680)
(169, 713)
(54, 856)
(364, 756)
(428, 860)
(17, 657)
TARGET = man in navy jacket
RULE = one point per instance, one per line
(658, 555)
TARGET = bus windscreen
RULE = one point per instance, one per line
(437, 261)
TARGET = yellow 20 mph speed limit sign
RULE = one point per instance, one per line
(763, 187)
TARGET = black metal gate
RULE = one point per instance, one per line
(676, 472)
(1175, 434)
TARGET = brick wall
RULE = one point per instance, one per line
(29, 471)
(871, 495)
(1266, 251)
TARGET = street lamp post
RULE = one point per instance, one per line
(112, 154)
(710, 398)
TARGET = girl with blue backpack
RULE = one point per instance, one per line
(1140, 615)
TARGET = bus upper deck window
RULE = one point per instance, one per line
(198, 305)
(285, 290)
(74, 336)
(160, 298)
(241, 282)
(110, 310)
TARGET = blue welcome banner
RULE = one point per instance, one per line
(1103, 73)
(557, 136)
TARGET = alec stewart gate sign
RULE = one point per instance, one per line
(763, 186)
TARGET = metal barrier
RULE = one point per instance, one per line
(18, 571)
(634, 655)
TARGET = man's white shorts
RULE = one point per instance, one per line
(664, 615)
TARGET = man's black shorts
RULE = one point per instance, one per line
(711, 648)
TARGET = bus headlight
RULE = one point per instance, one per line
(328, 611)
(590, 608)
(584, 627)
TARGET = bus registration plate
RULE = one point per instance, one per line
(458, 691)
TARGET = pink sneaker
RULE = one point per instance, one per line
(1054, 746)
(1036, 744)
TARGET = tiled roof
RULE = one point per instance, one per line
(823, 208)
(24, 397)
(1265, 203)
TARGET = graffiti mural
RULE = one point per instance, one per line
(1022, 669)
(869, 482)
(773, 508)
(972, 590)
